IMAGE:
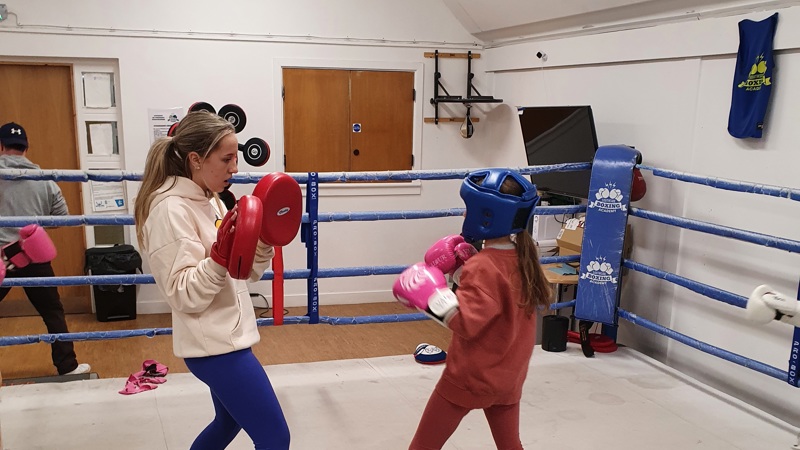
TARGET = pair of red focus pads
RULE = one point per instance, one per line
(272, 214)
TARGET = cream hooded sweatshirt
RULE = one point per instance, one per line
(212, 313)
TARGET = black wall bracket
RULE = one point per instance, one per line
(447, 98)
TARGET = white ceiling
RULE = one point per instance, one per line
(499, 20)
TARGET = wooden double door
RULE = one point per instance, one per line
(40, 97)
(348, 120)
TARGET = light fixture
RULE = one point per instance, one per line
(3, 12)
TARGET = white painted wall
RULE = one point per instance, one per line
(666, 90)
(168, 67)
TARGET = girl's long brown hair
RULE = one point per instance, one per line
(536, 291)
(198, 132)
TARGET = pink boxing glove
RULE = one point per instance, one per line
(33, 246)
(449, 253)
(425, 288)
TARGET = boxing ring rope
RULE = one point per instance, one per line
(790, 376)
(726, 184)
(292, 274)
(254, 177)
(719, 230)
(127, 219)
(310, 235)
(707, 348)
(310, 274)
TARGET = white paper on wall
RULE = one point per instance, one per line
(102, 138)
(98, 90)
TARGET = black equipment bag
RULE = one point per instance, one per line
(117, 260)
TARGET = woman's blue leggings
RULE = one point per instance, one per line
(243, 398)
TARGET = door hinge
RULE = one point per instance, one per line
(284, 161)
(412, 161)
(413, 95)
(283, 93)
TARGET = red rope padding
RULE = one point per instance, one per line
(600, 343)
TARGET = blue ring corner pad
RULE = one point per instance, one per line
(599, 284)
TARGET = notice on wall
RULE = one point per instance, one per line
(107, 196)
(161, 119)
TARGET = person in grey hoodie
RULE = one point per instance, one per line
(34, 198)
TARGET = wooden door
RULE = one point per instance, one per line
(40, 98)
(321, 107)
(382, 103)
(316, 120)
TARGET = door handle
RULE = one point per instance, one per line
(356, 152)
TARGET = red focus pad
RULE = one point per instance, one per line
(639, 187)
(245, 238)
(282, 204)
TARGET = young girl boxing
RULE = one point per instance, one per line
(492, 314)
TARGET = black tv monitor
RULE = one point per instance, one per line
(555, 135)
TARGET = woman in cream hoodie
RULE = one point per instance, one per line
(213, 322)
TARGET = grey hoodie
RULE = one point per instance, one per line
(27, 197)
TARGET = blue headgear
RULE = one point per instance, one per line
(491, 213)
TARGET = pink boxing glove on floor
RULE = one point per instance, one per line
(425, 288)
(449, 253)
(34, 246)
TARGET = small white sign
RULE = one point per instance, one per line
(107, 196)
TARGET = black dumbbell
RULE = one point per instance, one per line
(255, 151)
(202, 106)
(235, 115)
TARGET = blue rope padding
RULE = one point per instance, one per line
(152, 332)
(386, 318)
(245, 178)
(704, 347)
(569, 304)
(254, 177)
(127, 219)
(69, 175)
(78, 280)
(725, 184)
(293, 274)
(67, 221)
(427, 214)
(84, 336)
(719, 230)
(700, 288)
(460, 174)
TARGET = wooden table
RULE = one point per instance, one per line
(560, 280)
(556, 278)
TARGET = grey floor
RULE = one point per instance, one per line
(619, 401)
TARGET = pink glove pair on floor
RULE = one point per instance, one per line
(152, 373)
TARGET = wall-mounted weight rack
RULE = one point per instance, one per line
(447, 98)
